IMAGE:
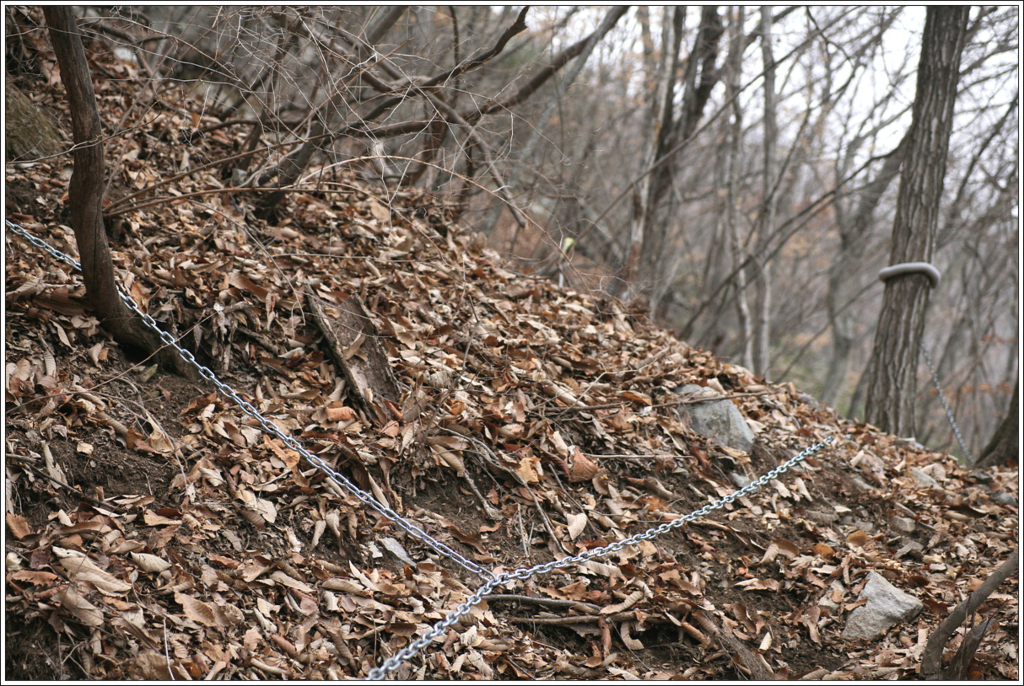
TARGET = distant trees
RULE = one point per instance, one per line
(738, 171)
(672, 121)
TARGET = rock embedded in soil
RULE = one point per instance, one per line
(717, 419)
(886, 607)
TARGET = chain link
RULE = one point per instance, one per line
(949, 412)
(492, 581)
(363, 497)
(524, 573)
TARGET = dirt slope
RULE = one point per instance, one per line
(152, 527)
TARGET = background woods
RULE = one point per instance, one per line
(733, 171)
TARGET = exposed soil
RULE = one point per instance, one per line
(531, 422)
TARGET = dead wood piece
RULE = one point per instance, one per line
(586, 608)
(96, 502)
(931, 659)
(959, 667)
(258, 337)
(586, 619)
(492, 513)
(355, 344)
(759, 671)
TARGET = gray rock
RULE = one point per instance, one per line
(1004, 499)
(866, 527)
(887, 606)
(396, 549)
(740, 480)
(826, 600)
(716, 419)
(859, 484)
(904, 524)
(981, 476)
(922, 478)
(809, 400)
(908, 443)
(911, 548)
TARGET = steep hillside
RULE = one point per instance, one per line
(154, 530)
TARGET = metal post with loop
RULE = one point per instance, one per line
(933, 276)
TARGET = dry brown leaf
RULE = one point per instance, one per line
(583, 468)
(34, 578)
(197, 610)
(577, 523)
(150, 563)
(529, 469)
(18, 525)
(79, 608)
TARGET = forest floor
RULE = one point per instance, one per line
(154, 531)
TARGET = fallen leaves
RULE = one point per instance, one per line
(523, 421)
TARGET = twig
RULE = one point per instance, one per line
(683, 400)
(517, 477)
(95, 501)
(640, 459)
(258, 337)
(167, 653)
(758, 669)
(931, 659)
(588, 608)
(581, 619)
(489, 509)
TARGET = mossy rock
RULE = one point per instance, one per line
(29, 132)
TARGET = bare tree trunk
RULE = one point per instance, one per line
(650, 190)
(735, 66)
(892, 387)
(85, 191)
(643, 271)
(1004, 444)
(762, 327)
(931, 658)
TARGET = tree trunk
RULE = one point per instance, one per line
(735, 66)
(652, 187)
(28, 132)
(766, 225)
(1003, 446)
(892, 387)
(644, 270)
(85, 193)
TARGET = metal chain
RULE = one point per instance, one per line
(363, 497)
(949, 412)
(493, 581)
(395, 661)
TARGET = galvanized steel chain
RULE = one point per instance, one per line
(949, 412)
(40, 243)
(229, 392)
(438, 630)
(492, 581)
